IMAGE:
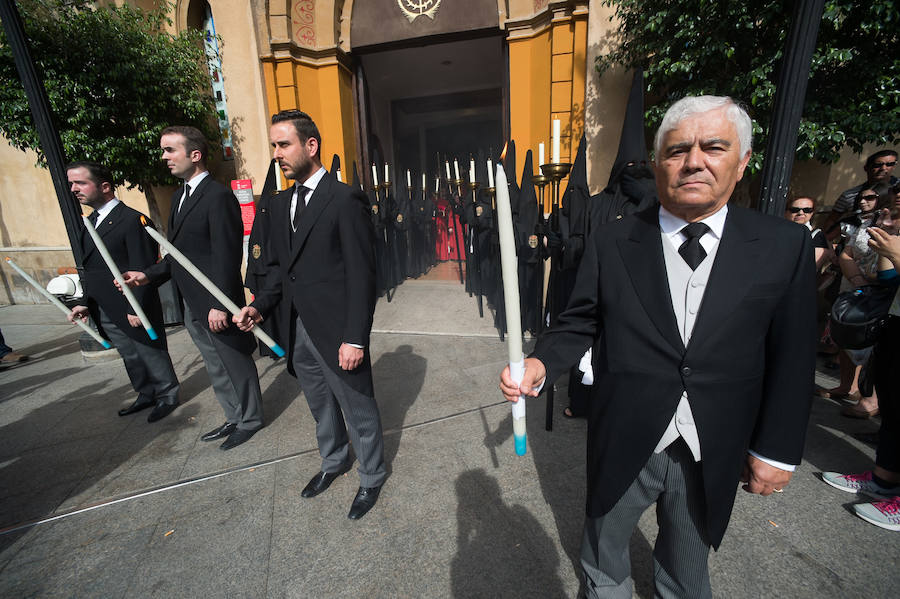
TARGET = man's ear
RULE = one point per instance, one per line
(312, 147)
(743, 164)
(196, 156)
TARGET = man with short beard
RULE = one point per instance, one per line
(321, 275)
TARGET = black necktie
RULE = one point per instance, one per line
(185, 197)
(301, 192)
(691, 250)
(93, 218)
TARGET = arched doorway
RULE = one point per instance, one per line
(429, 84)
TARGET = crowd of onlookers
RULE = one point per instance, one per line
(857, 245)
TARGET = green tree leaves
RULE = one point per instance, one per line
(735, 49)
(114, 79)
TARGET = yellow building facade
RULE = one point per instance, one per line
(410, 83)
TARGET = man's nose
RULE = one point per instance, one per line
(693, 159)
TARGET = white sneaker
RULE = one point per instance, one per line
(860, 483)
(884, 514)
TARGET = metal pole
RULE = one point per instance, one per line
(40, 111)
(789, 98)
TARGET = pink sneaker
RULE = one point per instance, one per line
(884, 514)
(859, 483)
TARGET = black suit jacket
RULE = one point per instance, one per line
(131, 249)
(748, 369)
(208, 230)
(326, 275)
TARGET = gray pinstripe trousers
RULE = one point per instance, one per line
(331, 401)
(672, 480)
(232, 375)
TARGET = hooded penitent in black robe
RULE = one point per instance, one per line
(256, 258)
(528, 231)
(631, 188)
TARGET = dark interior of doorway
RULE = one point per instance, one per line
(444, 98)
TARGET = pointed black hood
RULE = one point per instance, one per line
(632, 145)
(528, 209)
(336, 166)
(578, 184)
(269, 186)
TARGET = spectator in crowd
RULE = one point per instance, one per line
(879, 168)
(857, 261)
(801, 210)
(882, 482)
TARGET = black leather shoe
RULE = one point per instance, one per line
(219, 433)
(321, 481)
(161, 410)
(364, 501)
(141, 403)
(238, 436)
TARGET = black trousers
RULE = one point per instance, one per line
(887, 385)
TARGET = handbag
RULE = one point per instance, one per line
(858, 316)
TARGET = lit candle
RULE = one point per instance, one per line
(423, 182)
(509, 269)
(387, 176)
(208, 285)
(374, 175)
(471, 170)
(408, 180)
(540, 155)
(490, 173)
(437, 184)
(338, 174)
(456, 168)
(55, 301)
(447, 164)
(117, 275)
(555, 141)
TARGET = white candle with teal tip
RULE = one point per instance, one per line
(117, 275)
(510, 271)
(186, 263)
(55, 301)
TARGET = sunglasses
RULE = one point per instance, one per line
(884, 164)
(869, 198)
(795, 210)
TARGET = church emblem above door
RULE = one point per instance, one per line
(416, 8)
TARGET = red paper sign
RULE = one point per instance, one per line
(243, 191)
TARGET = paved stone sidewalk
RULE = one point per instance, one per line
(150, 511)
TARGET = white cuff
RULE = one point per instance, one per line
(356, 345)
(776, 464)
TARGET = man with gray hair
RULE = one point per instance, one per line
(703, 355)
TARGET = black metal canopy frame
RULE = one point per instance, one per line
(789, 100)
(40, 112)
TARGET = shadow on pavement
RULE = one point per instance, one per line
(502, 551)
(399, 376)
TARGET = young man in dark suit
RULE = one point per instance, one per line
(147, 361)
(321, 266)
(703, 333)
(205, 225)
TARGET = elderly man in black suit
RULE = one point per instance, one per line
(147, 361)
(699, 314)
(321, 266)
(205, 225)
